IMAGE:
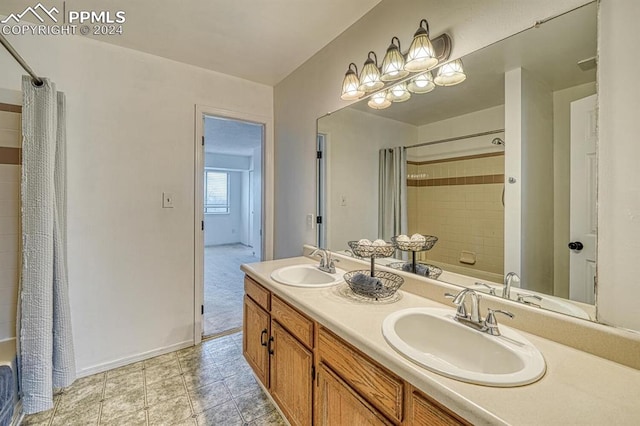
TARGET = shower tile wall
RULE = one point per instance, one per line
(10, 143)
(459, 200)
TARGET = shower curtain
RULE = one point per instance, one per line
(392, 197)
(45, 343)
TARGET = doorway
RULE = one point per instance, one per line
(232, 182)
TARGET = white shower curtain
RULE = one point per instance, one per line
(46, 355)
(392, 197)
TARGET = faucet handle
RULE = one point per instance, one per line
(521, 297)
(332, 265)
(461, 310)
(492, 323)
(492, 291)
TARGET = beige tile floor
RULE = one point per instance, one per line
(209, 384)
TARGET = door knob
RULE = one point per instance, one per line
(576, 245)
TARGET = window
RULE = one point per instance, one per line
(216, 192)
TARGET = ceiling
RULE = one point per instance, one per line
(550, 53)
(232, 137)
(258, 40)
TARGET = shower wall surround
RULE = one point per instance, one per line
(459, 200)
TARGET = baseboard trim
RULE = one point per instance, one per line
(101, 368)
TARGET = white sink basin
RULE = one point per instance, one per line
(551, 303)
(307, 276)
(432, 338)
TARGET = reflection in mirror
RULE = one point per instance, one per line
(500, 168)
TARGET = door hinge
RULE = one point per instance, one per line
(319, 220)
(319, 155)
(203, 141)
(202, 225)
(201, 309)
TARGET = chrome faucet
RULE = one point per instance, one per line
(489, 325)
(506, 290)
(327, 264)
(474, 319)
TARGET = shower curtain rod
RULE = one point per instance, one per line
(37, 80)
(473, 135)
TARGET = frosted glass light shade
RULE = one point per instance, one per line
(399, 93)
(350, 91)
(421, 55)
(393, 62)
(422, 83)
(379, 101)
(450, 74)
(370, 76)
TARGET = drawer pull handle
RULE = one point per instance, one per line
(264, 333)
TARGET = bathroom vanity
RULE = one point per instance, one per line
(324, 360)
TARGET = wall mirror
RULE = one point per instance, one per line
(500, 168)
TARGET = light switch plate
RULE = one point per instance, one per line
(167, 200)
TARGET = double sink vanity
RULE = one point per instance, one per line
(327, 357)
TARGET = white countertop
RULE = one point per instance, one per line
(578, 388)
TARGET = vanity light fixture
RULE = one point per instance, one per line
(422, 83)
(393, 82)
(379, 100)
(421, 55)
(450, 74)
(350, 91)
(399, 93)
(370, 77)
(393, 62)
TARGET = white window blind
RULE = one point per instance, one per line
(216, 192)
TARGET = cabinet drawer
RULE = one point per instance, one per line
(377, 385)
(424, 411)
(259, 294)
(297, 324)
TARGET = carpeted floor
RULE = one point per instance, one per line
(223, 286)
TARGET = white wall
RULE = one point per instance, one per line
(255, 204)
(227, 161)
(227, 228)
(536, 182)
(475, 122)
(353, 140)
(298, 103)
(131, 123)
(230, 228)
(618, 289)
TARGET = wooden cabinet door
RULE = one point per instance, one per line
(255, 338)
(426, 412)
(337, 404)
(291, 376)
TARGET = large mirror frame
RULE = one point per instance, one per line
(471, 150)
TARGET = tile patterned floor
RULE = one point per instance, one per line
(209, 384)
(224, 286)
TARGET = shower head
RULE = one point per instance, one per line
(497, 141)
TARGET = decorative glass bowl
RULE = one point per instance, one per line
(380, 285)
(423, 269)
(370, 250)
(412, 245)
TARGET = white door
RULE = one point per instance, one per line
(583, 227)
